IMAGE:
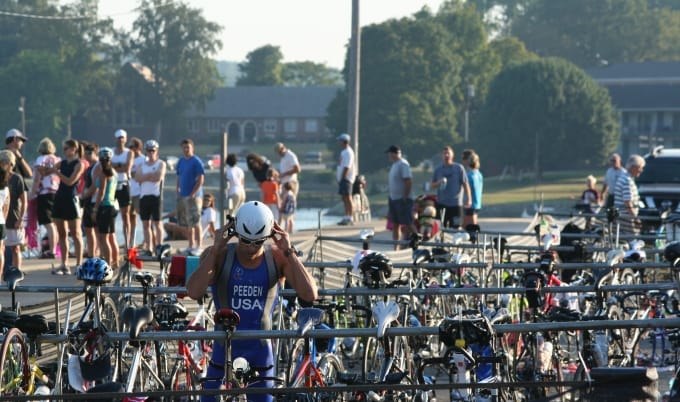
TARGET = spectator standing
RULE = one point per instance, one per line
(18, 199)
(122, 164)
(270, 192)
(67, 212)
(106, 207)
(451, 183)
(610, 178)
(138, 158)
(15, 140)
(43, 191)
(5, 174)
(289, 167)
(190, 178)
(400, 188)
(150, 174)
(590, 198)
(236, 183)
(288, 205)
(476, 183)
(626, 196)
(208, 216)
(87, 200)
(345, 175)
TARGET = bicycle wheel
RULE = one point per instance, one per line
(330, 365)
(618, 355)
(14, 366)
(297, 351)
(108, 316)
(183, 380)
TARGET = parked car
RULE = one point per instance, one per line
(659, 182)
(213, 161)
(312, 157)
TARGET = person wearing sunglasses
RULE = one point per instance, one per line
(239, 275)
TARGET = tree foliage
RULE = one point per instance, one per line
(176, 43)
(546, 114)
(307, 73)
(58, 65)
(414, 74)
(262, 67)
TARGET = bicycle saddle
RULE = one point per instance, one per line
(146, 279)
(385, 314)
(32, 324)
(13, 276)
(307, 318)
(366, 234)
(227, 317)
(137, 318)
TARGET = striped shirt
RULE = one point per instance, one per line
(626, 190)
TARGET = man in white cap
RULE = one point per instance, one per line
(122, 161)
(345, 175)
(15, 139)
(289, 167)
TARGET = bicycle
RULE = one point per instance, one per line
(19, 371)
(307, 370)
(238, 374)
(93, 360)
(191, 357)
(145, 371)
(472, 357)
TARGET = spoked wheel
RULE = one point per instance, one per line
(183, 379)
(14, 367)
(330, 365)
(110, 322)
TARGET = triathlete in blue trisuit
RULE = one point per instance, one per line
(246, 277)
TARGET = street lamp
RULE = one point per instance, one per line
(22, 109)
(469, 95)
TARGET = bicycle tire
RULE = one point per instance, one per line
(183, 381)
(14, 364)
(108, 316)
(330, 365)
(374, 353)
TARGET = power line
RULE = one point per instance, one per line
(70, 18)
(42, 17)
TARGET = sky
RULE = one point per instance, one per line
(304, 30)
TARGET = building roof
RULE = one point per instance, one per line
(268, 102)
(650, 97)
(649, 71)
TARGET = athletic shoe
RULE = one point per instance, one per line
(65, 270)
(345, 222)
(195, 251)
(57, 271)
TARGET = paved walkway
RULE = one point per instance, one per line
(38, 271)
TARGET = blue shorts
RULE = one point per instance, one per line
(401, 211)
(345, 187)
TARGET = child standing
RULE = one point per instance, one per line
(270, 192)
(288, 208)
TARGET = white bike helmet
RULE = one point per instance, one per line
(151, 144)
(105, 153)
(254, 221)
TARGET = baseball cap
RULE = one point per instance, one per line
(393, 149)
(15, 133)
(120, 133)
(343, 137)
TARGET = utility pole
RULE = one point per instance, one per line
(353, 86)
(22, 109)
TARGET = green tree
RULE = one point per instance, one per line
(511, 51)
(59, 65)
(589, 33)
(307, 73)
(262, 67)
(546, 114)
(176, 42)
